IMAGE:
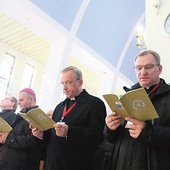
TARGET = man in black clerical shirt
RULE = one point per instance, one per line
(72, 143)
(143, 145)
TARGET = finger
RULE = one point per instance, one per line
(111, 115)
(30, 126)
(132, 131)
(113, 118)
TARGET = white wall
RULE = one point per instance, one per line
(157, 39)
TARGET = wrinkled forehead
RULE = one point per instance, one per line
(145, 59)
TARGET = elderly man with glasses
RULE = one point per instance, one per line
(8, 107)
(78, 130)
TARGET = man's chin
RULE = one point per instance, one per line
(144, 84)
(67, 95)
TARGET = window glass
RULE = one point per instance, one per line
(27, 76)
(6, 69)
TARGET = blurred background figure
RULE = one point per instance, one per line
(50, 113)
(8, 107)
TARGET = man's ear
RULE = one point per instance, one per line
(160, 69)
(81, 81)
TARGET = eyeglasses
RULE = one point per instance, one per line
(68, 83)
(146, 67)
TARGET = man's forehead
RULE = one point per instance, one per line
(22, 95)
(145, 60)
(8, 98)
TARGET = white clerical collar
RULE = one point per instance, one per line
(152, 85)
(73, 98)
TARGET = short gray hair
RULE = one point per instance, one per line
(15, 101)
(154, 53)
(76, 70)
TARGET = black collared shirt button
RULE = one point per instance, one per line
(12, 140)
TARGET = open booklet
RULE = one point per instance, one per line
(4, 126)
(135, 104)
(38, 119)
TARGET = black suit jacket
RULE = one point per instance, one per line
(86, 122)
(22, 149)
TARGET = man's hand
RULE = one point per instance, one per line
(113, 121)
(61, 129)
(135, 127)
(37, 133)
(3, 137)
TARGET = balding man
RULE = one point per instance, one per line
(8, 107)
